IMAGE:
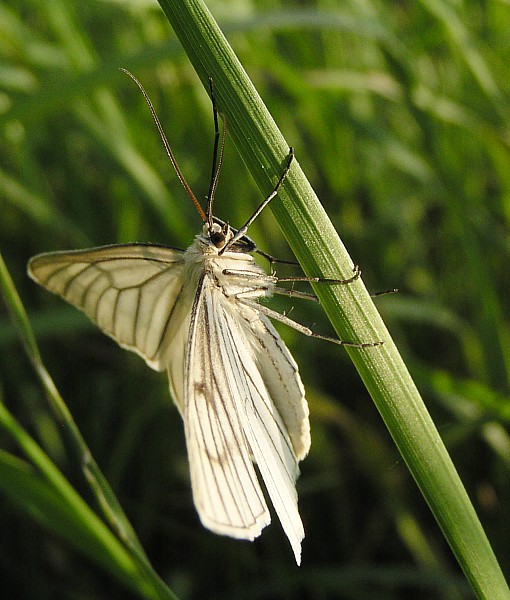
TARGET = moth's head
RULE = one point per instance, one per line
(218, 234)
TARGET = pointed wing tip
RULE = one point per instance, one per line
(250, 533)
(296, 546)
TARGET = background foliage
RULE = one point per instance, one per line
(400, 117)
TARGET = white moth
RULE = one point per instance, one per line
(195, 314)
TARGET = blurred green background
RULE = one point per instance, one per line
(399, 115)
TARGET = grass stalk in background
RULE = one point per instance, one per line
(350, 308)
(38, 487)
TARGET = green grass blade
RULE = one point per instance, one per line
(350, 308)
(49, 498)
(122, 555)
(64, 418)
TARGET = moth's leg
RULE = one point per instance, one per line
(356, 270)
(272, 260)
(251, 275)
(377, 294)
(267, 279)
(244, 298)
(243, 274)
(307, 295)
(241, 232)
(357, 275)
(292, 293)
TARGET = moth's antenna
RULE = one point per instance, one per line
(216, 168)
(189, 191)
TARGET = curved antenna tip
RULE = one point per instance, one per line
(171, 156)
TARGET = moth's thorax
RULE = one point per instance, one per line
(234, 272)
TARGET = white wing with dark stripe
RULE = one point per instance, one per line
(281, 377)
(231, 420)
(131, 291)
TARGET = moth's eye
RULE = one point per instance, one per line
(217, 235)
(218, 238)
